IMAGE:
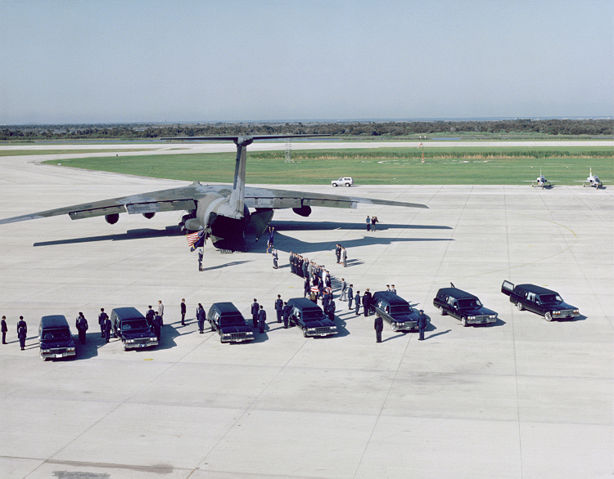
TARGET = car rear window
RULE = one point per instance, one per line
(134, 325)
(56, 334)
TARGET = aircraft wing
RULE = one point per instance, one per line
(270, 198)
(183, 198)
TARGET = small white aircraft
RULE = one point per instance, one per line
(593, 180)
(541, 181)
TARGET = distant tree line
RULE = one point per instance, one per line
(523, 127)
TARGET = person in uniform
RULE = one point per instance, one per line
(286, 313)
(255, 309)
(101, 319)
(82, 326)
(275, 259)
(421, 325)
(183, 311)
(149, 316)
(157, 326)
(22, 332)
(350, 296)
(357, 303)
(161, 311)
(201, 255)
(106, 329)
(4, 329)
(378, 324)
(261, 319)
(331, 310)
(201, 316)
(366, 302)
(279, 307)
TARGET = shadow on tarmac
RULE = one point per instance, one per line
(337, 225)
(128, 235)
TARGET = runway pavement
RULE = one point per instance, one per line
(523, 398)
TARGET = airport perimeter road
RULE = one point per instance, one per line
(523, 398)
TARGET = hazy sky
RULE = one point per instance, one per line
(121, 61)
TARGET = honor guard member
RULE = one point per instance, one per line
(378, 324)
(157, 326)
(101, 318)
(255, 309)
(149, 316)
(201, 316)
(261, 319)
(350, 296)
(331, 310)
(275, 259)
(344, 289)
(286, 313)
(201, 255)
(22, 332)
(106, 329)
(161, 311)
(366, 302)
(357, 301)
(82, 326)
(183, 311)
(421, 325)
(279, 307)
(4, 329)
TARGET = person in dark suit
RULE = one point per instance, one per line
(82, 326)
(306, 287)
(366, 302)
(338, 252)
(201, 317)
(279, 307)
(261, 319)
(4, 329)
(331, 310)
(183, 311)
(157, 326)
(421, 325)
(350, 296)
(106, 329)
(286, 312)
(378, 324)
(357, 303)
(255, 309)
(22, 332)
(149, 316)
(101, 318)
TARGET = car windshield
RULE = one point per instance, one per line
(400, 309)
(550, 298)
(56, 335)
(134, 325)
(233, 320)
(469, 303)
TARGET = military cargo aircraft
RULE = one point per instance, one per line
(230, 215)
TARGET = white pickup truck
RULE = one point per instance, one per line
(345, 181)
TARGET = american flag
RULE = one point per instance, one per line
(192, 238)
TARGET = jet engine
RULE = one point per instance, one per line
(112, 218)
(303, 210)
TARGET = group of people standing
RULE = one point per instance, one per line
(22, 331)
(372, 223)
(341, 254)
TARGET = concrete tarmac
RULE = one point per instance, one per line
(523, 398)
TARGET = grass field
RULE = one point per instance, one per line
(479, 166)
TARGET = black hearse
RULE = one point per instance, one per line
(310, 318)
(131, 327)
(228, 321)
(542, 301)
(55, 338)
(463, 306)
(395, 310)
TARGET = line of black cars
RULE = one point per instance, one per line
(132, 328)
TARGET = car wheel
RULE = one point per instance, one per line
(519, 306)
(347, 184)
(443, 311)
(464, 322)
(548, 316)
(334, 185)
